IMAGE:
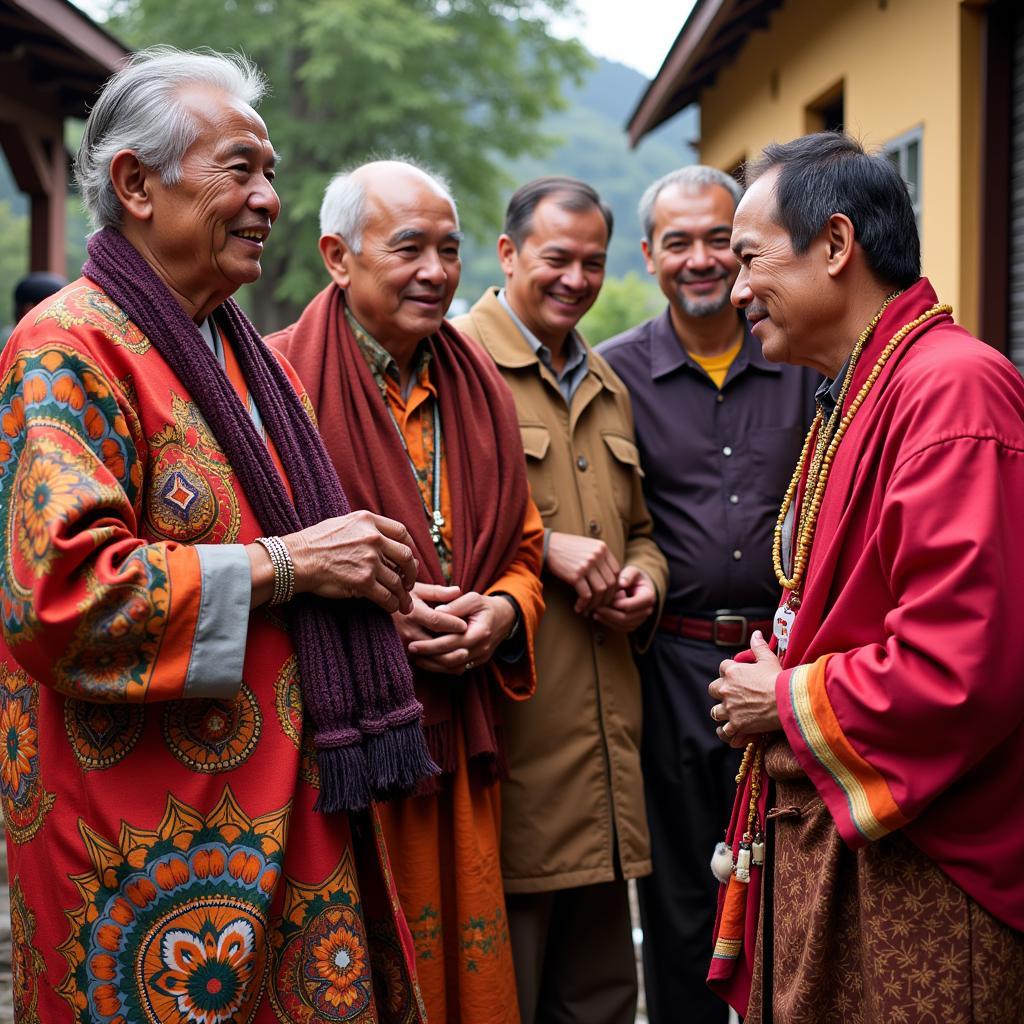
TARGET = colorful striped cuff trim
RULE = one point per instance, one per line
(873, 810)
(727, 949)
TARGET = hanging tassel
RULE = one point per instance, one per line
(722, 863)
(398, 759)
(343, 782)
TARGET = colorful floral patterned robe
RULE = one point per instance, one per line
(166, 864)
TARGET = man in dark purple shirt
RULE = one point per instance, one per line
(719, 430)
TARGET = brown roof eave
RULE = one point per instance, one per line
(656, 105)
(78, 31)
(714, 33)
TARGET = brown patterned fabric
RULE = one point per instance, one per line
(878, 935)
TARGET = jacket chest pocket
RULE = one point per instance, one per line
(624, 469)
(537, 446)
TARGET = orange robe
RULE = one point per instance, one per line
(445, 849)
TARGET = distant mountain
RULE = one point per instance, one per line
(593, 146)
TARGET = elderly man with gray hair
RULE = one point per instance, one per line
(718, 427)
(420, 426)
(202, 689)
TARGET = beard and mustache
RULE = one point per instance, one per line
(703, 307)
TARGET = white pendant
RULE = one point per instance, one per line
(721, 863)
(743, 863)
(783, 626)
(757, 853)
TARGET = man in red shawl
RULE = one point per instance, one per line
(873, 865)
(418, 421)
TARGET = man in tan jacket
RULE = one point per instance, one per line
(574, 828)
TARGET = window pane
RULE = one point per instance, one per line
(912, 171)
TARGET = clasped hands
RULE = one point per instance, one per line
(745, 692)
(449, 631)
(619, 598)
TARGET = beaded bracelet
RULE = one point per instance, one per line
(284, 569)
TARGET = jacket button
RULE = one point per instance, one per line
(720, 398)
(581, 462)
(595, 527)
(727, 451)
(734, 499)
(737, 554)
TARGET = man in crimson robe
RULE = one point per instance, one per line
(877, 826)
(417, 420)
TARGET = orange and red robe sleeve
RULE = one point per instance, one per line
(521, 581)
(885, 728)
(88, 606)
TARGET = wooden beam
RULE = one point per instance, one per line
(76, 31)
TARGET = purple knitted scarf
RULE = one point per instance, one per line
(356, 680)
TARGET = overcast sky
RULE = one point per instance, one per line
(634, 32)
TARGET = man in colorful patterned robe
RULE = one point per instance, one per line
(157, 775)
(422, 428)
(885, 758)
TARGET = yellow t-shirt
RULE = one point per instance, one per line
(716, 367)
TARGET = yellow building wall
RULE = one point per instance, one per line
(901, 63)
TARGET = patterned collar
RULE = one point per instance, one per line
(381, 362)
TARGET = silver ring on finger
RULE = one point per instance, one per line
(469, 664)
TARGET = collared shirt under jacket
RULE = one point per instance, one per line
(574, 804)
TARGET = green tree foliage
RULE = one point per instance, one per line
(623, 303)
(459, 84)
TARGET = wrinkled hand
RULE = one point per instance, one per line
(487, 623)
(424, 621)
(746, 695)
(587, 566)
(633, 602)
(360, 555)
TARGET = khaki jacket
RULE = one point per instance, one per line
(574, 802)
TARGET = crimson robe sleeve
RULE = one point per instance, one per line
(884, 729)
(88, 606)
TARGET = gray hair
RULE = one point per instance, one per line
(343, 210)
(696, 177)
(140, 109)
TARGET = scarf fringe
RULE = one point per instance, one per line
(343, 779)
(399, 758)
(441, 744)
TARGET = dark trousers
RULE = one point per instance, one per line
(690, 783)
(573, 952)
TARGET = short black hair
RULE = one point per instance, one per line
(571, 193)
(828, 173)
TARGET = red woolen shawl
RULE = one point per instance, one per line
(486, 476)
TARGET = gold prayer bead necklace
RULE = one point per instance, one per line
(825, 449)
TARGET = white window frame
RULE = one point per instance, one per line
(899, 148)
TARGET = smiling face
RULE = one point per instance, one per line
(400, 284)
(786, 296)
(689, 250)
(207, 230)
(555, 276)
